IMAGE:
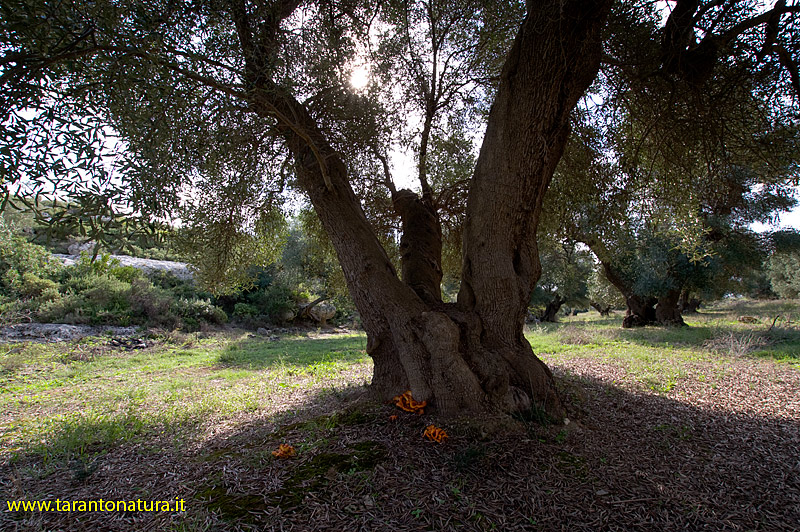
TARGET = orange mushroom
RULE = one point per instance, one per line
(407, 403)
(434, 433)
(284, 451)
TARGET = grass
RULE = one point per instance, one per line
(72, 401)
(658, 357)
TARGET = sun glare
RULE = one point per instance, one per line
(359, 78)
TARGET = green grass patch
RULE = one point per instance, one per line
(58, 406)
(301, 352)
(657, 357)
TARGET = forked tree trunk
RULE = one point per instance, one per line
(604, 310)
(470, 356)
(641, 310)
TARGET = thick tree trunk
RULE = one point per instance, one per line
(471, 356)
(554, 58)
(640, 311)
(551, 310)
(668, 311)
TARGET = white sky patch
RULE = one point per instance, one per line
(404, 169)
(786, 220)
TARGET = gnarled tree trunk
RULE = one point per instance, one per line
(472, 355)
(688, 304)
(604, 310)
(551, 310)
(640, 311)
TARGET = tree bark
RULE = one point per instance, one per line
(553, 60)
(470, 356)
(640, 311)
(420, 245)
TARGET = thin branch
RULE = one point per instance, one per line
(189, 74)
(753, 22)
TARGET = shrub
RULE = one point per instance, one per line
(107, 293)
(273, 301)
(33, 286)
(126, 273)
(195, 311)
(151, 304)
(245, 310)
(19, 257)
(783, 270)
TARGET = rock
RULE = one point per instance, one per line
(322, 312)
(129, 343)
(288, 315)
(262, 331)
(76, 247)
(58, 332)
(148, 266)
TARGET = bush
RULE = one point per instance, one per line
(152, 305)
(245, 310)
(93, 292)
(783, 268)
(126, 273)
(33, 286)
(193, 312)
(19, 257)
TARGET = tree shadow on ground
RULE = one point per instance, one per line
(629, 460)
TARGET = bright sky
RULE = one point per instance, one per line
(786, 220)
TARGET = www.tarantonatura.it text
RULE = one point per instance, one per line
(100, 505)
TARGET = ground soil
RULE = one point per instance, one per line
(719, 451)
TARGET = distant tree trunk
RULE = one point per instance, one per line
(641, 310)
(470, 356)
(688, 304)
(550, 313)
(604, 310)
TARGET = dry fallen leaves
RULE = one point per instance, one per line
(434, 433)
(407, 403)
(284, 451)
